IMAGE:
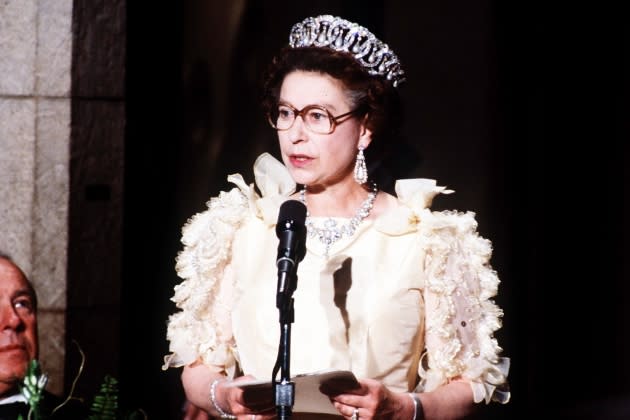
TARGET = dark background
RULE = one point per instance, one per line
(521, 109)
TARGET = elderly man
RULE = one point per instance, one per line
(18, 335)
(19, 344)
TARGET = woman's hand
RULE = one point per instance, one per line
(372, 400)
(197, 380)
(247, 403)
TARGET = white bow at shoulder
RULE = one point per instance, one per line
(416, 196)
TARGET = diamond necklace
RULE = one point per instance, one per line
(331, 232)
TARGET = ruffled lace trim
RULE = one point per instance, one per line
(460, 285)
(201, 330)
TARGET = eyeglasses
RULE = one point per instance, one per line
(315, 117)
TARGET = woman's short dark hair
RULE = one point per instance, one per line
(373, 95)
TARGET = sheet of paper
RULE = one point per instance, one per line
(308, 398)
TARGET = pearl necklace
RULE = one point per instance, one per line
(331, 232)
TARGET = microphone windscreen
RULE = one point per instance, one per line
(292, 215)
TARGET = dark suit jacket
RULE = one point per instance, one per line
(11, 411)
(73, 410)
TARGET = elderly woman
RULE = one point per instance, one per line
(397, 294)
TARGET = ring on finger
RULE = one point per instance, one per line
(355, 414)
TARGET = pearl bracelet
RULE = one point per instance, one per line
(418, 412)
(213, 399)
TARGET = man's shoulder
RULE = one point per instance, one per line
(11, 411)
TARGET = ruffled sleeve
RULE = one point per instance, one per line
(201, 329)
(461, 316)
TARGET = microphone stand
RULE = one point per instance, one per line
(291, 232)
(284, 389)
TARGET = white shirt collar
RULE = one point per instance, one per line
(13, 399)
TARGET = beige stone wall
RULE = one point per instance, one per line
(35, 63)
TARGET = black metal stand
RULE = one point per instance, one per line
(284, 389)
(291, 232)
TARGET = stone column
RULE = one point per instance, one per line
(35, 63)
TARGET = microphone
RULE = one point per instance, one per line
(291, 232)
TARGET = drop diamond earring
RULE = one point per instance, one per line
(360, 169)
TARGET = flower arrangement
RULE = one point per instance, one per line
(32, 388)
(104, 405)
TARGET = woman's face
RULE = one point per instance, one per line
(320, 160)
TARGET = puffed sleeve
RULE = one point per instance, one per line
(201, 329)
(459, 286)
(461, 316)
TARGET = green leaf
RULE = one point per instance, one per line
(105, 404)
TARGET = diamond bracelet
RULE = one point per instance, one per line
(213, 399)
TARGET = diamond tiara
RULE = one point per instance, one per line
(341, 35)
